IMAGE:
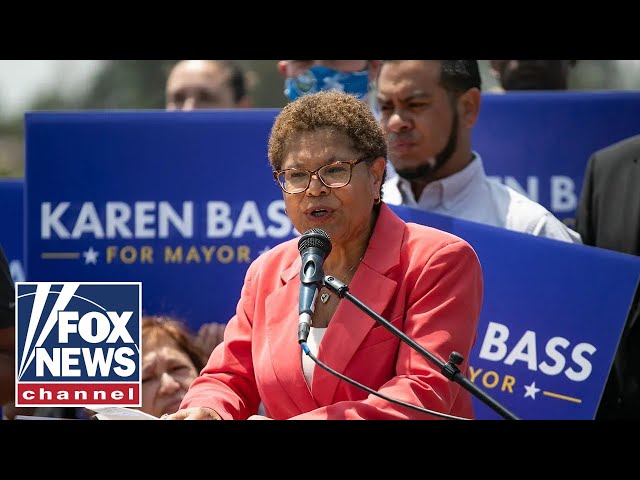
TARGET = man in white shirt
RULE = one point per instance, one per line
(427, 109)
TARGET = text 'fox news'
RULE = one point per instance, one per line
(78, 344)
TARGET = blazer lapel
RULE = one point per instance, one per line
(350, 325)
(348, 328)
(282, 325)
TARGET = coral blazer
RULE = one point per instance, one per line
(426, 282)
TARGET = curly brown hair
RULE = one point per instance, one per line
(155, 328)
(342, 112)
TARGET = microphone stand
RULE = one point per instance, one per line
(449, 369)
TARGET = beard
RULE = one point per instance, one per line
(436, 162)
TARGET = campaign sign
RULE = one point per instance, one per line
(184, 201)
(552, 317)
(180, 201)
(539, 142)
(78, 344)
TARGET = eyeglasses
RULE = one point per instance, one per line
(333, 175)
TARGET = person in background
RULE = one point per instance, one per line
(209, 335)
(171, 360)
(356, 77)
(328, 156)
(427, 111)
(7, 332)
(207, 84)
(531, 74)
(608, 216)
(309, 76)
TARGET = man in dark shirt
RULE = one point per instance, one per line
(608, 216)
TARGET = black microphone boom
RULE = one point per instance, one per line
(314, 247)
(449, 369)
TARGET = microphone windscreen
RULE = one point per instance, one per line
(315, 237)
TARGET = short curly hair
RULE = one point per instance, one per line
(342, 112)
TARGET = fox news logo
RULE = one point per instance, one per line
(78, 344)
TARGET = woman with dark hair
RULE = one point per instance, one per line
(328, 157)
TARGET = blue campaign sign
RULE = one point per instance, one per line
(184, 201)
(551, 320)
(180, 201)
(539, 142)
(11, 233)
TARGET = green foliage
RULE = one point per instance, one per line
(267, 91)
(129, 84)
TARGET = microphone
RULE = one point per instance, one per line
(314, 247)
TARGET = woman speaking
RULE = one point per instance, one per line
(328, 155)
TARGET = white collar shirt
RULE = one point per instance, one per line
(471, 195)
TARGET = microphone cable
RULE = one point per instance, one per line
(322, 365)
